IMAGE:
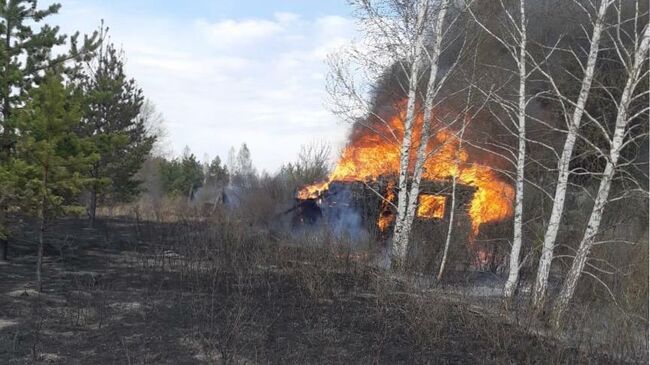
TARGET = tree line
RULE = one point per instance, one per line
(73, 126)
(77, 133)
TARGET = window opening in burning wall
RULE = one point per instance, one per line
(431, 206)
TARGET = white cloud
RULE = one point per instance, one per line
(332, 26)
(222, 83)
(286, 17)
(229, 32)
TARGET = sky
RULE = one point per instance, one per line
(225, 72)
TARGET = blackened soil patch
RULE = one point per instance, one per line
(134, 293)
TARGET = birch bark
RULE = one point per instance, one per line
(452, 209)
(516, 44)
(400, 235)
(544, 267)
(513, 274)
(602, 196)
(409, 197)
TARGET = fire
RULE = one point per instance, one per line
(374, 152)
(386, 216)
(312, 191)
(431, 206)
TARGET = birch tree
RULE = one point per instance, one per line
(514, 40)
(635, 64)
(400, 234)
(407, 198)
(513, 275)
(578, 106)
(401, 41)
(452, 214)
(469, 113)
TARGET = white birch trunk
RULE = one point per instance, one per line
(401, 230)
(544, 267)
(411, 199)
(399, 241)
(602, 196)
(513, 274)
(450, 228)
(452, 210)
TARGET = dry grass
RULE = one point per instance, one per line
(215, 290)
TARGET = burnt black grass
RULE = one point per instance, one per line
(134, 292)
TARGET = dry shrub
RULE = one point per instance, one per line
(217, 265)
(86, 302)
(427, 321)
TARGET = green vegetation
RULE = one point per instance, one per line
(51, 157)
(112, 120)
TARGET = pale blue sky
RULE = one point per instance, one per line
(227, 72)
(220, 9)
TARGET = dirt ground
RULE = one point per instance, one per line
(106, 300)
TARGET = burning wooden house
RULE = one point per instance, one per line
(359, 209)
(364, 179)
(370, 205)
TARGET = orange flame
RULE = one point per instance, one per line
(386, 216)
(374, 153)
(431, 206)
(312, 191)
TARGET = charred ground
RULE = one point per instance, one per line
(130, 292)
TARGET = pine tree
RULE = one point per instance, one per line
(112, 119)
(55, 157)
(182, 176)
(10, 194)
(25, 53)
(216, 174)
